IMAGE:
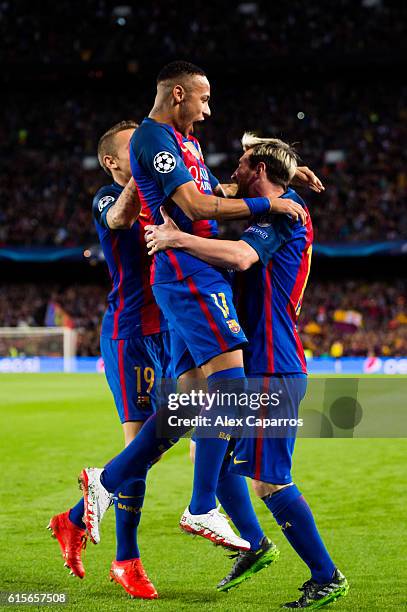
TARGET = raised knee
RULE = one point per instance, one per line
(262, 489)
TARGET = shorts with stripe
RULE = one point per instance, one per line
(266, 457)
(201, 316)
(134, 368)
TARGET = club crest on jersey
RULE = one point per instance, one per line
(103, 202)
(143, 400)
(164, 162)
(233, 326)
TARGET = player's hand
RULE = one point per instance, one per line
(161, 237)
(304, 177)
(288, 207)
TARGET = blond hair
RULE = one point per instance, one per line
(278, 156)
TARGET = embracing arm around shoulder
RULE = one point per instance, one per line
(231, 254)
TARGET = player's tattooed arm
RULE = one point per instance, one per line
(231, 254)
(198, 206)
(126, 209)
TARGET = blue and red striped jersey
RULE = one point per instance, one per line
(162, 160)
(269, 294)
(131, 310)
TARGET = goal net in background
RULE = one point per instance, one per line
(21, 348)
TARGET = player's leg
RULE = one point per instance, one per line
(213, 337)
(130, 430)
(296, 520)
(139, 375)
(191, 378)
(194, 311)
(233, 494)
(268, 460)
(134, 461)
(155, 438)
(68, 527)
(210, 331)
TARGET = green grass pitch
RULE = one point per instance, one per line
(53, 425)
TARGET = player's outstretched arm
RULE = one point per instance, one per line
(231, 254)
(126, 209)
(197, 205)
(305, 177)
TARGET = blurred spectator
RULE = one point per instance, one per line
(354, 318)
(377, 325)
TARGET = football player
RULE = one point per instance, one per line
(135, 347)
(273, 257)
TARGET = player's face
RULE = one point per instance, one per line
(244, 176)
(195, 105)
(121, 155)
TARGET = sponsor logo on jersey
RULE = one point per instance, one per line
(103, 202)
(164, 162)
(256, 230)
(201, 178)
(233, 326)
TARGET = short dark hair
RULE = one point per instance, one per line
(106, 141)
(177, 69)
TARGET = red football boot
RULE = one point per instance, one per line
(133, 578)
(71, 539)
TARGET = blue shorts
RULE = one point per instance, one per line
(268, 458)
(202, 318)
(134, 367)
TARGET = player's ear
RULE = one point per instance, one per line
(260, 168)
(109, 162)
(179, 93)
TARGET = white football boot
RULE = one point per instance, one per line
(97, 501)
(213, 526)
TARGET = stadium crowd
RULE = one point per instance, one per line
(108, 31)
(48, 169)
(352, 139)
(345, 318)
